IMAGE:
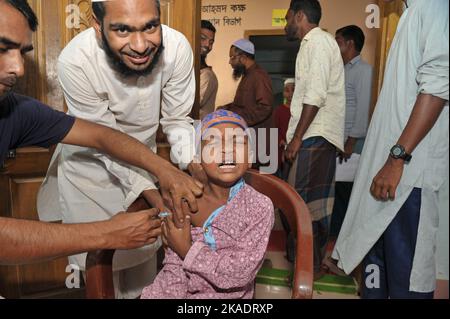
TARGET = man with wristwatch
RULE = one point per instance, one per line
(392, 220)
(398, 152)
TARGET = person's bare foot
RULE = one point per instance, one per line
(319, 274)
(331, 264)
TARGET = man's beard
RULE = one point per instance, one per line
(238, 71)
(117, 64)
(204, 51)
(291, 34)
(203, 61)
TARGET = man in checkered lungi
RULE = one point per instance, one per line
(316, 128)
(312, 175)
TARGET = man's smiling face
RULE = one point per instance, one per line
(131, 34)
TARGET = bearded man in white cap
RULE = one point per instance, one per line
(254, 97)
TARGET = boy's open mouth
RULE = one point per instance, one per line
(227, 165)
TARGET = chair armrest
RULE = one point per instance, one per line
(99, 275)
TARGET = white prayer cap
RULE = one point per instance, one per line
(245, 45)
(289, 81)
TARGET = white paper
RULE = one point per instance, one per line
(346, 171)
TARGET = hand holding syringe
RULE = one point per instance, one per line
(163, 215)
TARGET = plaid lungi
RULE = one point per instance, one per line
(313, 177)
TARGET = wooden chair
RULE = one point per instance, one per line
(99, 284)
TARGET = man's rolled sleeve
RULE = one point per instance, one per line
(432, 75)
(319, 75)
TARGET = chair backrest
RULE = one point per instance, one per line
(292, 206)
(99, 283)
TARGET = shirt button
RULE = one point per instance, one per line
(206, 230)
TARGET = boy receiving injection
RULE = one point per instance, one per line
(220, 249)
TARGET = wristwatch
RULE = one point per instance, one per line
(398, 152)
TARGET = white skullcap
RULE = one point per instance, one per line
(245, 45)
(289, 81)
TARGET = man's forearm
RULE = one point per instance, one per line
(264, 112)
(24, 241)
(116, 144)
(350, 143)
(425, 113)
(308, 115)
(176, 186)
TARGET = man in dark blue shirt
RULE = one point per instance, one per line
(27, 122)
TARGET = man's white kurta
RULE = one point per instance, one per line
(86, 185)
(319, 81)
(418, 63)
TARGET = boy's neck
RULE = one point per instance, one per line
(217, 192)
(214, 196)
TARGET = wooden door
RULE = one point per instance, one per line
(390, 14)
(20, 179)
(185, 16)
(22, 174)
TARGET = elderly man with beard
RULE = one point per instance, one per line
(124, 73)
(254, 98)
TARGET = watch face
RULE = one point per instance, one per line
(397, 151)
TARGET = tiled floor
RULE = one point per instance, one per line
(275, 258)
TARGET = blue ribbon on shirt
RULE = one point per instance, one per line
(207, 228)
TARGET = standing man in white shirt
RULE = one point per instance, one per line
(393, 215)
(316, 128)
(209, 85)
(125, 72)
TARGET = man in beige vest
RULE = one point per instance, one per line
(208, 79)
